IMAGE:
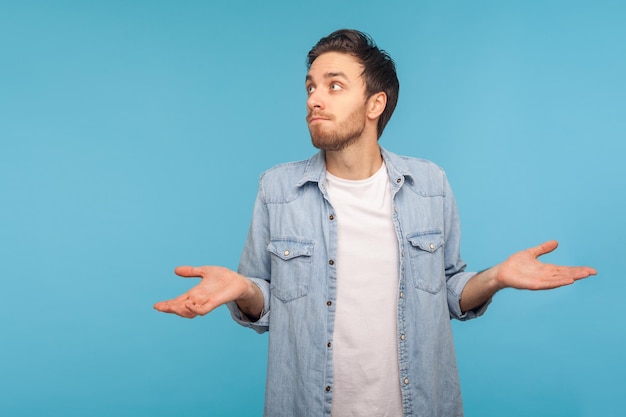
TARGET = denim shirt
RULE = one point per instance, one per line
(290, 253)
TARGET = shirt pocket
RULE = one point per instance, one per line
(426, 259)
(291, 267)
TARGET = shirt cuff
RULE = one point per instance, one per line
(262, 324)
(455, 287)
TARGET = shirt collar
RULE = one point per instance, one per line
(315, 169)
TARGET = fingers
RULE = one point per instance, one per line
(193, 302)
(199, 309)
(189, 271)
(574, 272)
(590, 271)
(580, 272)
(189, 305)
(545, 247)
(174, 308)
(558, 276)
(199, 301)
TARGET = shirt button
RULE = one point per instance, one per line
(331, 262)
(329, 303)
(286, 253)
(331, 217)
(398, 180)
(402, 337)
(328, 344)
(431, 246)
(406, 381)
(401, 294)
(327, 388)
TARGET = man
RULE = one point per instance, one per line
(352, 260)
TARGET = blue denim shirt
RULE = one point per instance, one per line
(290, 253)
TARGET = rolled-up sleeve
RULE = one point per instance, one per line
(262, 324)
(456, 276)
(255, 264)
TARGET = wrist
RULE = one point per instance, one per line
(251, 300)
(491, 279)
(251, 291)
(499, 282)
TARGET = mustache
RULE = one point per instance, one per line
(318, 114)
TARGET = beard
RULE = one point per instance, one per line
(346, 133)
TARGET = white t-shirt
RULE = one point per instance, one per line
(365, 347)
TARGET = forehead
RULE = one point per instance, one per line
(335, 63)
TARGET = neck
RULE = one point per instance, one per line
(358, 161)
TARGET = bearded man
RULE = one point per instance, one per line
(352, 261)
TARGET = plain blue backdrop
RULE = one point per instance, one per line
(132, 134)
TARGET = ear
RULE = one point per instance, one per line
(376, 105)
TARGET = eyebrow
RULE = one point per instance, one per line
(337, 74)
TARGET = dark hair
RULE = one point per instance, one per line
(379, 70)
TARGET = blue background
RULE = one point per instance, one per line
(132, 134)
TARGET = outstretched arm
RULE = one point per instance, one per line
(218, 286)
(521, 270)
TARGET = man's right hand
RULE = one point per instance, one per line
(219, 286)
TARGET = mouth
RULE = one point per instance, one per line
(315, 118)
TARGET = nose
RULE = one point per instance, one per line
(315, 101)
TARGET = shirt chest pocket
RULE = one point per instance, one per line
(426, 259)
(291, 267)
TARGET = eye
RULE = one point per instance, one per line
(335, 87)
(310, 88)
